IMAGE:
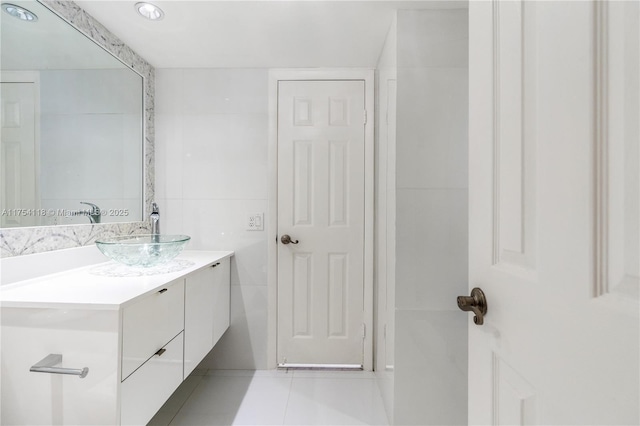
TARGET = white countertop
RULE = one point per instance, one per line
(88, 287)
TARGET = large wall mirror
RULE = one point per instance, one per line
(72, 125)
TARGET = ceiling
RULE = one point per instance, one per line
(257, 34)
(50, 43)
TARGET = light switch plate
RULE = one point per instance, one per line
(255, 222)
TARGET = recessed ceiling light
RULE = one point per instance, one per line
(19, 12)
(150, 11)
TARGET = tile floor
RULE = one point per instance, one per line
(246, 397)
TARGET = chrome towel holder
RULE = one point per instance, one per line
(48, 365)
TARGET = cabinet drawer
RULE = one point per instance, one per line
(149, 324)
(144, 392)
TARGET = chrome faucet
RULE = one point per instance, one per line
(94, 214)
(155, 219)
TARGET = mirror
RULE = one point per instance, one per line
(72, 125)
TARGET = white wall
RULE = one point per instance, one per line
(211, 172)
(430, 378)
(385, 174)
(93, 115)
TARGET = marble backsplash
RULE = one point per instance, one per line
(22, 241)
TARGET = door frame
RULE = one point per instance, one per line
(301, 74)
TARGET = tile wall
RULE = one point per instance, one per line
(429, 379)
(211, 173)
(385, 188)
(91, 114)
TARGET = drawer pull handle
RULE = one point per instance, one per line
(215, 264)
(162, 291)
(48, 365)
(161, 351)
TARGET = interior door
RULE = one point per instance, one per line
(18, 156)
(321, 134)
(554, 233)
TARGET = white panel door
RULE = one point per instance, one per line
(321, 205)
(18, 157)
(554, 190)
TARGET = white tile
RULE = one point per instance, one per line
(169, 159)
(251, 373)
(225, 156)
(170, 408)
(431, 248)
(97, 135)
(431, 368)
(171, 219)
(226, 91)
(432, 38)
(434, 54)
(385, 380)
(105, 91)
(58, 93)
(221, 225)
(236, 400)
(169, 95)
(199, 372)
(190, 418)
(132, 157)
(432, 139)
(244, 344)
(328, 401)
(265, 402)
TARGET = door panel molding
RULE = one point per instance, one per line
(514, 399)
(617, 133)
(514, 150)
(338, 119)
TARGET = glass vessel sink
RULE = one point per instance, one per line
(142, 250)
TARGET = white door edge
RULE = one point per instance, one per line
(276, 75)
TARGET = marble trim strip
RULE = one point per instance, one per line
(21, 241)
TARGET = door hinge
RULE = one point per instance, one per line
(364, 330)
(365, 116)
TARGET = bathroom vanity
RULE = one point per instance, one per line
(139, 337)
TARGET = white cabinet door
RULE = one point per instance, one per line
(143, 393)
(150, 323)
(207, 306)
(554, 212)
(222, 299)
(84, 338)
(198, 318)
